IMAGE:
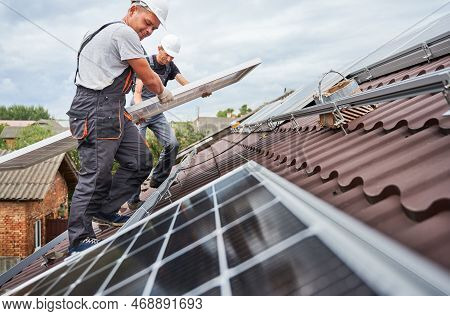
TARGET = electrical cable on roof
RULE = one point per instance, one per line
(214, 156)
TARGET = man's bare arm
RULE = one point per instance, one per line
(181, 80)
(138, 91)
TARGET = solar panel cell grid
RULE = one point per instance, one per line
(136, 262)
(235, 188)
(259, 232)
(189, 211)
(305, 268)
(151, 234)
(164, 215)
(188, 271)
(191, 233)
(254, 199)
(90, 283)
(133, 287)
(212, 292)
(235, 225)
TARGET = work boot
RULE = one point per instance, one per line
(135, 205)
(154, 184)
(86, 243)
(111, 219)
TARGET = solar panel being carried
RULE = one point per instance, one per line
(64, 142)
(248, 233)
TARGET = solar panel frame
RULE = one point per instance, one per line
(193, 90)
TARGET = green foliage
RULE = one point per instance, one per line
(185, 134)
(155, 146)
(23, 112)
(2, 142)
(244, 110)
(73, 154)
(225, 112)
(32, 134)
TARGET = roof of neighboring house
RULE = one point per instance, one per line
(16, 123)
(10, 132)
(33, 183)
(54, 125)
(391, 171)
(206, 119)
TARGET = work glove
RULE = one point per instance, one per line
(165, 96)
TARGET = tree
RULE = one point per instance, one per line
(32, 134)
(2, 142)
(23, 112)
(185, 134)
(225, 112)
(244, 110)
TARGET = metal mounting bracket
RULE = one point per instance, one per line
(370, 76)
(428, 53)
(340, 121)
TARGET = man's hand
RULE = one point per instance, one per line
(165, 96)
(140, 121)
(206, 94)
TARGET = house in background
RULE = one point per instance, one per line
(33, 206)
(9, 135)
(12, 129)
(209, 125)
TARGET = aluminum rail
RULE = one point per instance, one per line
(431, 83)
(19, 267)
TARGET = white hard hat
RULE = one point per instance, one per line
(171, 44)
(159, 7)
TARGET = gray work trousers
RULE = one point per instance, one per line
(165, 135)
(104, 134)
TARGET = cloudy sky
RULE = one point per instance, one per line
(297, 40)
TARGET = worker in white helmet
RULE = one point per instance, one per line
(162, 63)
(107, 60)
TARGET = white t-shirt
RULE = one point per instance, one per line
(105, 57)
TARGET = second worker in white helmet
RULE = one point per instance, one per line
(161, 63)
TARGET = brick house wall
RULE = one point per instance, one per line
(10, 143)
(17, 219)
